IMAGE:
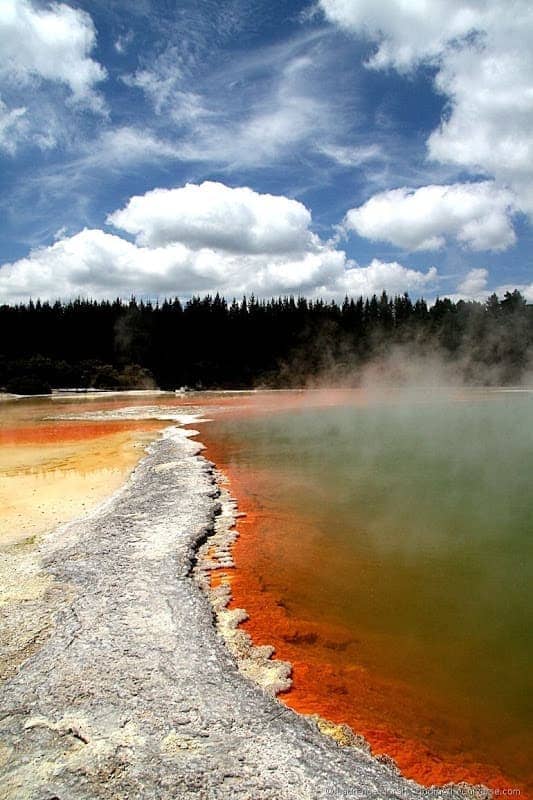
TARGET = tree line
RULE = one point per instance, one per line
(208, 342)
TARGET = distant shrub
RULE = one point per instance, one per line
(135, 377)
(105, 377)
(28, 384)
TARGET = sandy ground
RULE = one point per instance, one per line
(50, 473)
(44, 485)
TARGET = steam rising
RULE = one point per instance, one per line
(452, 345)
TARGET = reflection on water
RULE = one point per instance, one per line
(393, 542)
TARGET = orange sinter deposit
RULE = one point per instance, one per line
(52, 472)
(333, 673)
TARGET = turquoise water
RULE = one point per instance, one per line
(422, 516)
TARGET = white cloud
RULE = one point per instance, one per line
(490, 124)
(200, 239)
(163, 84)
(127, 145)
(484, 59)
(242, 119)
(290, 115)
(478, 215)
(36, 119)
(389, 275)
(12, 126)
(272, 129)
(254, 109)
(351, 156)
(123, 42)
(474, 285)
(49, 44)
(103, 158)
(526, 289)
(214, 215)
(408, 31)
(38, 46)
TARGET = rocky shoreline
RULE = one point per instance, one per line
(118, 684)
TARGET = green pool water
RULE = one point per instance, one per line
(422, 517)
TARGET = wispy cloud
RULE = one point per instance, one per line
(163, 84)
(12, 126)
(123, 42)
(247, 112)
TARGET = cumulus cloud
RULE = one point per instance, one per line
(198, 239)
(478, 215)
(214, 215)
(98, 264)
(490, 124)
(484, 60)
(474, 285)
(408, 32)
(526, 289)
(49, 44)
(389, 275)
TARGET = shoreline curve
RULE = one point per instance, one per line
(134, 694)
(258, 662)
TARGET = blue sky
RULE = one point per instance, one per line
(330, 147)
